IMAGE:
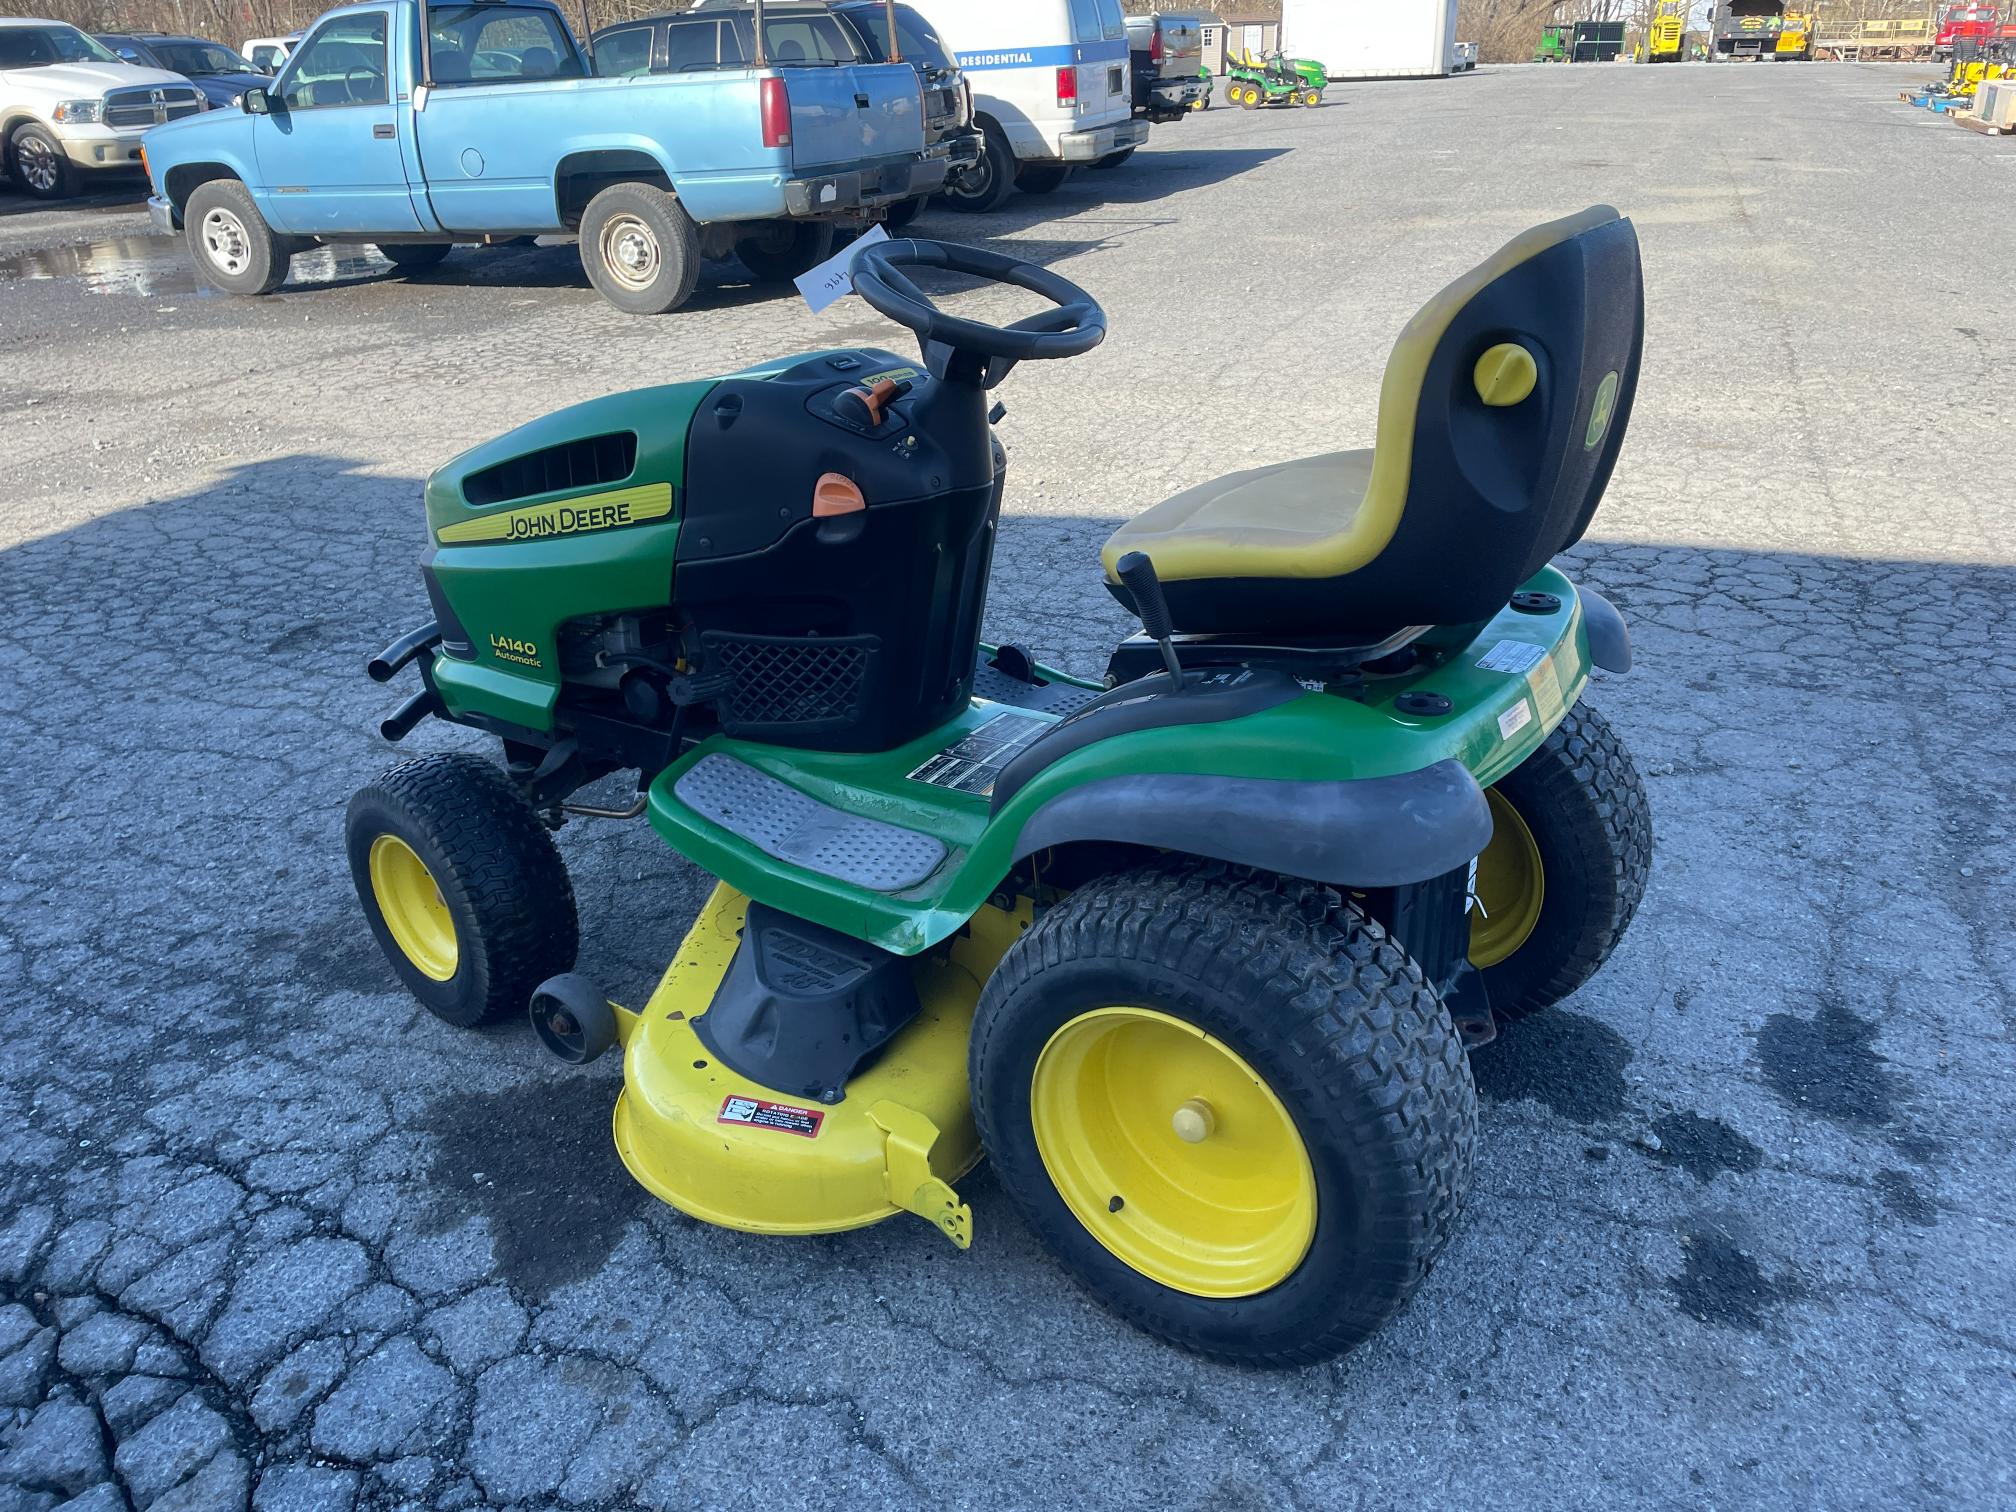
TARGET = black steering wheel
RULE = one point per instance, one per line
(1076, 325)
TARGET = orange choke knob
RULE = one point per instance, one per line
(836, 494)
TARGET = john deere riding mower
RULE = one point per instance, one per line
(1274, 80)
(1195, 952)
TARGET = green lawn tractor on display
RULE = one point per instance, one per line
(1557, 45)
(1196, 952)
(1252, 82)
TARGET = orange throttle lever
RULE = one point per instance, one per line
(872, 402)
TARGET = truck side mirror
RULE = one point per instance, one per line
(255, 101)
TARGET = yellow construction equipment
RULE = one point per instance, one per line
(1795, 36)
(1667, 39)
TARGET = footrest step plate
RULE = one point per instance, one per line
(780, 821)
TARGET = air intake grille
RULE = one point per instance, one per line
(790, 682)
(574, 464)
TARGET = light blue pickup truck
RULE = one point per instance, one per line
(414, 126)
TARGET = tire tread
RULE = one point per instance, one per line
(1345, 1008)
(504, 863)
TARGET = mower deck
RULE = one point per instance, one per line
(728, 1151)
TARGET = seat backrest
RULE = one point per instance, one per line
(1501, 414)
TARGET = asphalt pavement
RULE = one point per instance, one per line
(1741, 1235)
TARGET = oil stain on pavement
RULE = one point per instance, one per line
(1827, 1064)
(1904, 1199)
(1720, 1283)
(1572, 1063)
(1703, 1147)
(551, 1186)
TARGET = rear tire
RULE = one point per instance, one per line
(783, 250)
(1326, 1016)
(640, 249)
(1042, 178)
(414, 257)
(988, 182)
(902, 213)
(229, 241)
(1583, 805)
(38, 165)
(462, 886)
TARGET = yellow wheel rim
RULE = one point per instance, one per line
(415, 914)
(1173, 1152)
(1509, 887)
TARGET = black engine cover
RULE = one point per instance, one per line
(853, 631)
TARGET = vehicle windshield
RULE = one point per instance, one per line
(39, 46)
(196, 58)
(919, 42)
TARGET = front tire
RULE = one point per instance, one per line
(782, 250)
(640, 249)
(1114, 159)
(988, 182)
(462, 886)
(1229, 1104)
(36, 161)
(1570, 851)
(229, 241)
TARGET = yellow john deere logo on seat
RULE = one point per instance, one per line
(1601, 411)
(603, 511)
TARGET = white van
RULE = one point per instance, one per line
(1051, 89)
(267, 53)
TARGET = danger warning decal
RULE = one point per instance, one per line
(783, 1117)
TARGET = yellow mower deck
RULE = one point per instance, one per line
(728, 1151)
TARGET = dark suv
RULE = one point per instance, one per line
(948, 100)
(715, 35)
(212, 67)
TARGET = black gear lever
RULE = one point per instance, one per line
(1137, 576)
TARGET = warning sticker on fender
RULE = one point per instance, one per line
(1514, 719)
(971, 763)
(1514, 657)
(1546, 686)
(783, 1117)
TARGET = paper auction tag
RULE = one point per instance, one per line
(833, 279)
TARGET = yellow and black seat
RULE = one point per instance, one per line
(1500, 416)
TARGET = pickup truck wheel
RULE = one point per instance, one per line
(35, 161)
(230, 242)
(902, 213)
(988, 182)
(640, 249)
(780, 251)
(1043, 178)
(413, 256)
(1114, 159)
